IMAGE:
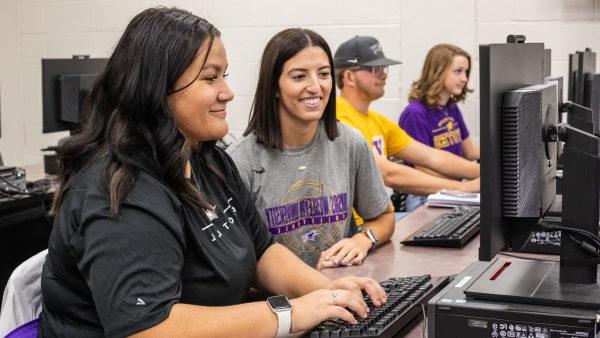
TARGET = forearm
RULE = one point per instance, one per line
(453, 166)
(281, 272)
(184, 320)
(470, 150)
(409, 180)
(471, 157)
(445, 163)
(382, 226)
(429, 172)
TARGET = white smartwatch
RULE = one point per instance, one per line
(283, 309)
(371, 236)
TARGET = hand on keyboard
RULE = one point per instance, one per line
(318, 306)
(338, 301)
(357, 285)
(405, 296)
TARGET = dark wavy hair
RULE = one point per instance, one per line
(127, 116)
(264, 115)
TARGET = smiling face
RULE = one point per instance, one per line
(200, 109)
(456, 77)
(304, 87)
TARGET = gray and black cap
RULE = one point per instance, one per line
(362, 51)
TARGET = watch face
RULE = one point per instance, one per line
(371, 236)
(279, 302)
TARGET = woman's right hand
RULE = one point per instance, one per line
(318, 306)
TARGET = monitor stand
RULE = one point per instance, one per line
(532, 282)
(556, 207)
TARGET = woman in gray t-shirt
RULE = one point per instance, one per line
(307, 172)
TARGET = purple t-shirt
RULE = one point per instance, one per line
(437, 127)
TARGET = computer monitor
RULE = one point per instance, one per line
(562, 116)
(547, 62)
(559, 90)
(528, 154)
(572, 282)
(591, 94)
(503, 67)
(581, 64)
(526, 131)
(581, 117)
(581, 202)
(65, 85)
(1, 161)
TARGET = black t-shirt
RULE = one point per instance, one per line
(114, 276)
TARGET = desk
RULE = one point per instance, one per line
(396, 260)
(24, 230)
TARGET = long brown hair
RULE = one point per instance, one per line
(438, 61)
(127, 118)
(264, 115)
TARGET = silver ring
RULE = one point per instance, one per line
(334, 298)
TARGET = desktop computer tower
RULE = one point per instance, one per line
(452, 314)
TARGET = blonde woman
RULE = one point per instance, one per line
(433, 116)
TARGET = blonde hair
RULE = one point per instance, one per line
(438, 61)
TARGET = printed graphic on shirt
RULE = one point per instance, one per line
(308, 218)
(378, 144)
(220, 224)
(447, 133)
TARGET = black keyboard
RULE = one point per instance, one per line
(453, 229)
(405, 297)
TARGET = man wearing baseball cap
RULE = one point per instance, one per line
(361, 70)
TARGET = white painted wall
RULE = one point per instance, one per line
(34, 29)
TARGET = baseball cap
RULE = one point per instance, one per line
(361, 51)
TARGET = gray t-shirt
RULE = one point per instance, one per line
(306, 195)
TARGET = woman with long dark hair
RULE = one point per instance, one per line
(307, 172)
(154, 231)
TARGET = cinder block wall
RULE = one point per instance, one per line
(34, 29)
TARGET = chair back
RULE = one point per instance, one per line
(27, 330)
(22, 298)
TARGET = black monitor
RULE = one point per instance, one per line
(503, 67)
(65, 85)
(581, 64)
(1, 161)
(522, 165)
(584, 86)
(581, 117)
(574, 281)
(528, 157)
(591, 94)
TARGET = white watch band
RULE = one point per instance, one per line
(285, 322)
(369, 233)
